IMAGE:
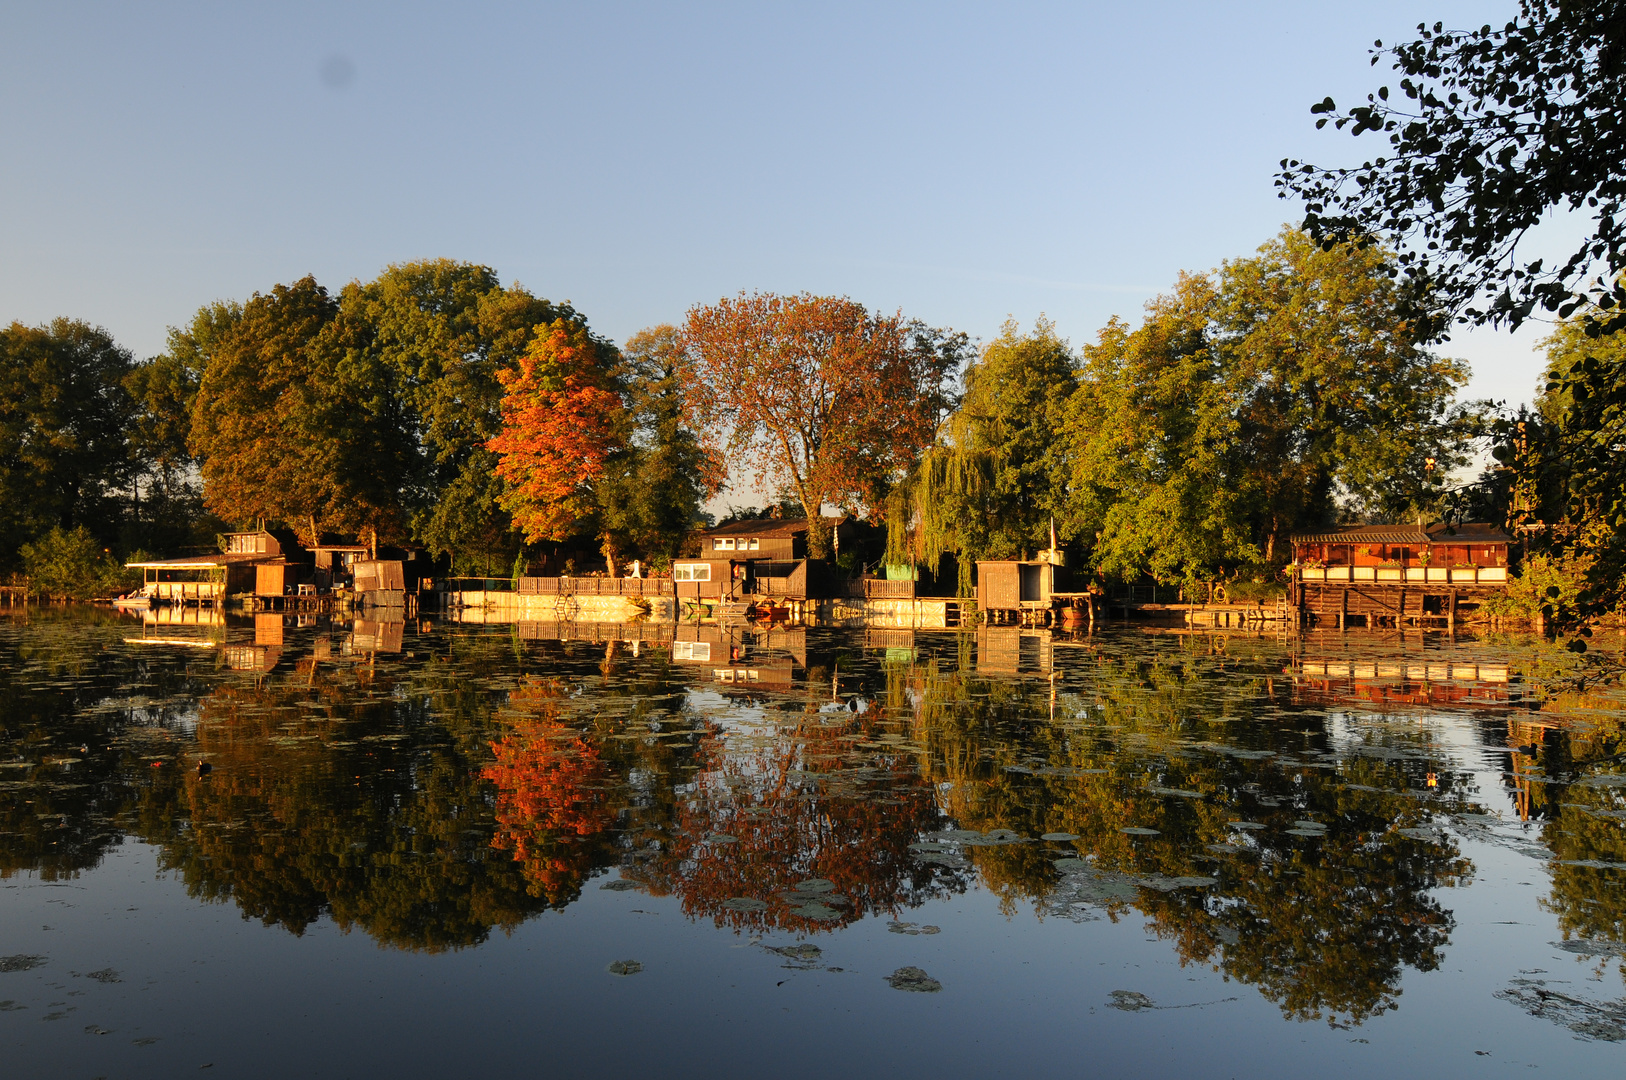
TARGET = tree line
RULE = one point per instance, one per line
(1284, 391)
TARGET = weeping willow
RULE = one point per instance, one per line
(925, 509)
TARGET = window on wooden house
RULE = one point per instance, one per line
(723, 543)
(755, 544)
(691, 572)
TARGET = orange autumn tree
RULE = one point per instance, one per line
(564, 421)
(822, 397)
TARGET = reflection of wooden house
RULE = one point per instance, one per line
(1396, 575)
(739, 656)
(1413, 680)
(1010, 650)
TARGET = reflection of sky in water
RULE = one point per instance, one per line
(793, 874)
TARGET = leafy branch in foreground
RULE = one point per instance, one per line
(1496, 129)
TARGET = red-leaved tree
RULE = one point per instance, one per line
(814, 394)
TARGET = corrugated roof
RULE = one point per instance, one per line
(1437, 533)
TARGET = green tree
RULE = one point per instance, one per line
(63, 415)
(997, 474)
(443, 330)
(293, 421)
(1498, 127)
(1254, 402)
(71, 564)
(650, 496)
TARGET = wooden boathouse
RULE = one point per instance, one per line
(1395, 576)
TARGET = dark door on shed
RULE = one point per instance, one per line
(1032, 584)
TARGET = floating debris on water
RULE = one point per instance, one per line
(1592, 947)
(625, 967)
(913, 980)
(106, 975)
(9, 1005)
(1604, 1021)
(21, 962)
(93, 1029)
(1130, 1001)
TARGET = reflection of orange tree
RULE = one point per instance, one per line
(1322, 924)
(761, 818)
(552, 794)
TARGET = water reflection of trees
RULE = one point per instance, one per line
(1322, 924)
(80, 732)
(804, 825)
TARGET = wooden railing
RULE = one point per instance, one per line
(589, 586)
(878, 589)
(1406, 575)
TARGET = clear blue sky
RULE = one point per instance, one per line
(960, 162)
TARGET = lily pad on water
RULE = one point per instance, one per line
(816, 912)
(805, 953)
(9, 1005)
(910, 928)
(927, 847)
(744, 903)
(1069, 864)
(1130, 1001)
(1306, 832)
(21, 962)
(1421, 834)
(1310, 825)
(722, 838)
(625, 967)
(914, 980)
(1247, 826)
(1169, 884)
(1180, 792)
(992, 838)
(816, 886)
(1059, 837)
(1140, 830)
(1223, 849)
(619, 885)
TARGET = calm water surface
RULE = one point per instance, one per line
(433, 850)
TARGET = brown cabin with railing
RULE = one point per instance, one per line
(1396, 575)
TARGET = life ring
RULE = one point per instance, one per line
(1219, 593)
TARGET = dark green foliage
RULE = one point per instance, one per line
(1498, 127)
(63, 414)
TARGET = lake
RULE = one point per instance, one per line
(325, 848)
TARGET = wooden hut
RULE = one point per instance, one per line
(1396, 575)
(1017, 590)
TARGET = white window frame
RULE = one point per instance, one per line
(723, 543)
(691, 571)
(691, 650)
